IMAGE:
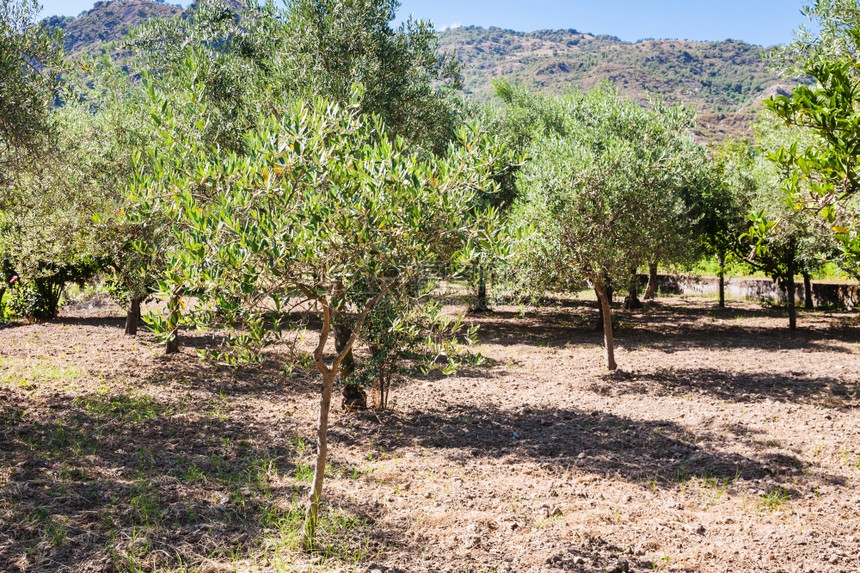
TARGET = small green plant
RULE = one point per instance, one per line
(303, 473)
(126, 407)
(144, 501)
(57, 533)
(662, 564)
(774, 499)
(193, 474)
(682, 473)
(301, 445)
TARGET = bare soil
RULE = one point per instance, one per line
(723, 443)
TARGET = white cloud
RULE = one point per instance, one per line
(451, 26)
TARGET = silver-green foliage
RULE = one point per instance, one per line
(323, 210)
(602, 189)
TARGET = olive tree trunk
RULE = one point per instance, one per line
(808, 303)
(342, 334)
(132, 317)
(482, 290)
(481, 301)
(790, 295)
(631, 301)
(606, 312)
(722, 274)
(174, 304)
(607, 291)
(329, 375)
(313, 511)
(651, 289)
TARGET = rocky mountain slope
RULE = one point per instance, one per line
(725, 81)
(107, 21)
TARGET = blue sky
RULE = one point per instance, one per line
(764, 22)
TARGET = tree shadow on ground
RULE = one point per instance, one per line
(93, 321)
(115, 482)
(640, 452)
(666, 328)
(794, 387)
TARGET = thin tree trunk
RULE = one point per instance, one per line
(341, 339)
(132, 317)
(174, 316)
(329, 375)
(808, 303)
(631, 301)
(312, 515)
(606, 311)
(482, 303)
(722, 257)
(792, 310)
(651, 289)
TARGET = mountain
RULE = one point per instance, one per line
(725, 81)
(107, 21)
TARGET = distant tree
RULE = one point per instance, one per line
(675, 187)
(30, 59)
(213, 67)
(725, 186)
(783, 239)
(594, 192)
(331, 45)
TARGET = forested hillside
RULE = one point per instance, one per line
(724, 81)
(107, 21)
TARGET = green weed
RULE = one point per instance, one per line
(57, 532)
(774, 499)
(127, 408)
(303, 473)
(145, 503)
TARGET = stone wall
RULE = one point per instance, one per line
(836, 295)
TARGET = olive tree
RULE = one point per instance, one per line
(596, 192)
(783, 239)
(324, 210)
(30, 59)
(725, 185)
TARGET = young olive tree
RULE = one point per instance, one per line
(783, 239)
(217, 71)
(325, 209)
(674, 188)
(595, 192)
(725, 185)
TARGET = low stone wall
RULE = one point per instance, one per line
(836, 295)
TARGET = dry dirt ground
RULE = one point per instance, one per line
(723, 443)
